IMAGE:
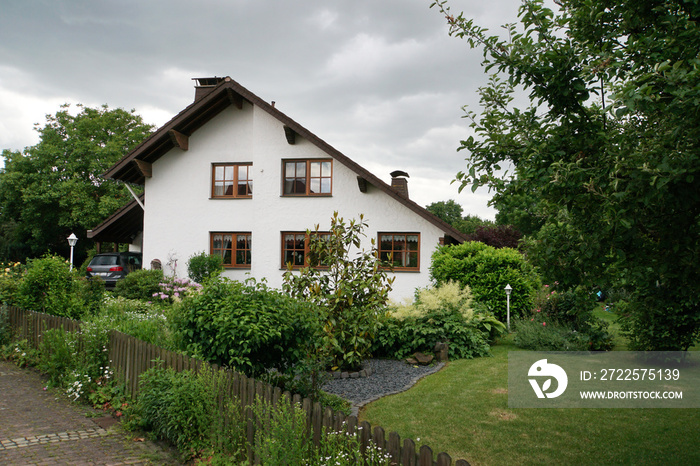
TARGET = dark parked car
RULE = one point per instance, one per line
(113, 266)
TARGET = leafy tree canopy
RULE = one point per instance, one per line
(54, 188)
(610, 144)
(451, 212)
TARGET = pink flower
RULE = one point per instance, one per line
(539, 310)
(532, 320)
(544, 324)
(546, 286)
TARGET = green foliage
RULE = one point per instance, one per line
(351, 292)
(139, 284)
(134, 317)
(48, 286)
(608, 149)
(487, 271)
(5, 329)
(54, 187)
(20, 353)
(203, 266)
(245, 325)
(283, 440)
(451, 212)
(182, 407)
(56, 352)
(10, 277)
(441, 314)
(536, 335)
(563, 321)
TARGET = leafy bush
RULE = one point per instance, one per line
(440, 314)
(572, 310)
(351, 292)
(182, 407)
(245, 325)
(10, 278)
(498, 236)
(536, 335)
(139, 284)
(283, 440)
(487, 271)
(56, 355)
(137, 318)
(49, 286)
(203, 266)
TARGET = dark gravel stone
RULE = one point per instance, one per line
(388, 377)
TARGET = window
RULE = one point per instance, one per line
(234, 248)
(232, 180)
(402, 250)
(295, 248)
(308, 177)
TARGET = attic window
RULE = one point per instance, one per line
(232, 180)
(313, 177)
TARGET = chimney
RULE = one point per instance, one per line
(399, 182)
(204, 85)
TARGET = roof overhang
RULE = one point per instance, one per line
(122, 226)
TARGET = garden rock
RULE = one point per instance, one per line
(423, 359)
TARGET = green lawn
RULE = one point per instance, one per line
(463, 410)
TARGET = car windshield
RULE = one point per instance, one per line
(104, 260)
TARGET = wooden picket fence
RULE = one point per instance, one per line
(131, 357)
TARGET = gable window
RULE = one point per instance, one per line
(312, 177)
(232, 180)
(234, 248)
(295, 248)
(402, 250)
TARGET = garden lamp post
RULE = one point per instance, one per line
(72, 240)
(508, 290)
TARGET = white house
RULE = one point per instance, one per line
(232, 175)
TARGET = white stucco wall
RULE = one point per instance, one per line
(180, 213)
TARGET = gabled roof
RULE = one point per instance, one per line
(228, 92)
(122, 226)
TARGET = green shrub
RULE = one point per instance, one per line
(245, 325)
(487, 271)
(182, 407)
(48, 286)
(350, 287)
(203, 266)
(11, 274)
(572, 310)
(536, 335)
(139, 284)
(137, 318)
(57, 355)
(282, 440)
(441, 314)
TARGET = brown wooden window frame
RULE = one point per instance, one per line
(297, 250)
(235, 180)
(234, 250)
(307, 177)
(405, 252)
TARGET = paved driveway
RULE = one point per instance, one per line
(39, 427)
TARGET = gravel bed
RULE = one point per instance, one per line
(388, 377)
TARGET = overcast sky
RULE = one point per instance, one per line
(380, 80)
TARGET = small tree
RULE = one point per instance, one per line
(351, 291)
(203, 266)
